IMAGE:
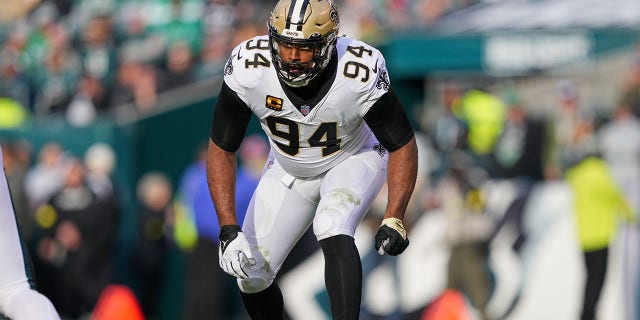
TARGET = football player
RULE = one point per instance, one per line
(18, 300)
(337, 131)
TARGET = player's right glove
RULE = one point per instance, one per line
(391, 237)
(234, 252)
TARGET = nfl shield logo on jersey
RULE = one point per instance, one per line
(305, 110)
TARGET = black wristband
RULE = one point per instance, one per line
(229, 232)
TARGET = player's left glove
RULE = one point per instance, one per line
(234, 252)
(391, 237)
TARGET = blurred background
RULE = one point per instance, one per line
(526, 113)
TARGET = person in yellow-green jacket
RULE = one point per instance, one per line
(598, 204)
(484, 115)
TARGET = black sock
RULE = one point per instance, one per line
(267, 304)
(343, 276)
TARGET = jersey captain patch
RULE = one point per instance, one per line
(273, 103)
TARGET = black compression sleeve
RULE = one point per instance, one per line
(230, 120)
(343, 276)
(388, 121)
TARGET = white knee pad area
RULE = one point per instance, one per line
(336, 214)
(253, 285)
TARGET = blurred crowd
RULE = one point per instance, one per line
(83, 59)
(86, 59)
(492, 154)
(70, 213)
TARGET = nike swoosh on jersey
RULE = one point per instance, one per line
(239, 56)
(375, 67)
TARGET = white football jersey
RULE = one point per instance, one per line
(333, 129)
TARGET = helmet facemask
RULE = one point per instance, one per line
(298, 73)
(314, 29)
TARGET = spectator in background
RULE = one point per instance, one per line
(619, 141)
(145, 90)
(14, 84)
(519, 151)
(97, 49)
(82, 109)
(136, 90)
(122, 91)
(155, 231)
(100, 161)
(77, 244)
(449, 132)
(16, 88)
(207, 284)
(484, 116)
(46, 176)
(57, 83)
(567, 121)
(35, 35)
(179, 66)
(518, 160)
(597, 203)
(57, 76)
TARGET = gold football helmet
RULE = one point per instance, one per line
(308, 25)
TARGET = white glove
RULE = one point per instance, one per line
(234, 252)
